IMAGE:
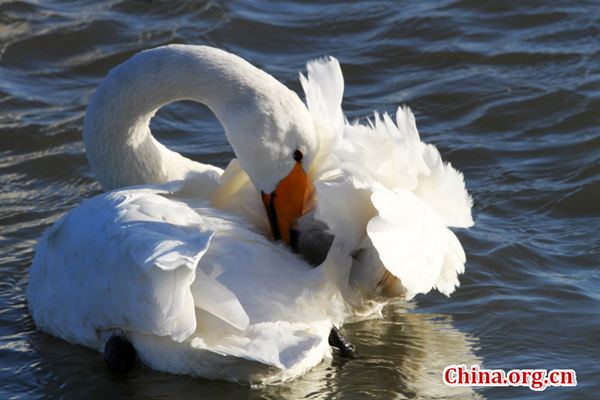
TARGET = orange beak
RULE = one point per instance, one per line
(286, 204)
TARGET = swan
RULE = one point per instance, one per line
(194, 289)
(177, 256)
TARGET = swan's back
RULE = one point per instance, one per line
(101, 267)
(195, 289)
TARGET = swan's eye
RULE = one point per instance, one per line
(298, 155)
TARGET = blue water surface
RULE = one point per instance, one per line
(509, 92)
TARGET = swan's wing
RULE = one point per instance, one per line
(281, 344)
(414, 196)
(265, 353)
(417, 197)
(346, 210)
(413, 242)
(290, 305)
(324, 89)
(123, 260)
(444, 190)
(290, 308)
(215, 298)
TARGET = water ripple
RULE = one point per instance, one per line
(508, 91)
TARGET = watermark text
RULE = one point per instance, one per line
(534, 379)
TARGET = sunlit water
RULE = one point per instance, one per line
(509, 91)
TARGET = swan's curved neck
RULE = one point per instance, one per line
(116, 132)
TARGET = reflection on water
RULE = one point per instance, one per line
(403, 354)
(408, 352)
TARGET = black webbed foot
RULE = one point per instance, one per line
(119, 354)
(341, 342)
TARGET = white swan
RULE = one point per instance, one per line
(184, 268)
(197, 291)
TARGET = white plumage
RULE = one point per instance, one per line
(186, 269)
(197, 290)
(383, 173)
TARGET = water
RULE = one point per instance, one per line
(508, 91)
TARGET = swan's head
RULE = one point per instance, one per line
(276, 146)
